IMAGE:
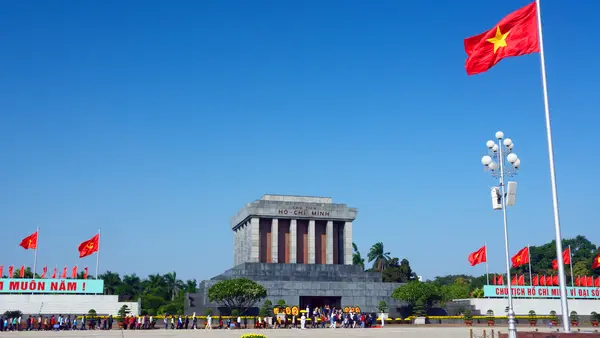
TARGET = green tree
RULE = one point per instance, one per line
(378, 256)
(398, 272)
(356, 257)
(418, 293)
(458, 290)
(582, 268)
(111, 282)
(174, 285)
(28, 273)
(238, 293)
(191, 286)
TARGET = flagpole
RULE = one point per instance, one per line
(37, 243)
(98, 254)
(561, 267)
(571, 264)
(487, 271)
(530, 276)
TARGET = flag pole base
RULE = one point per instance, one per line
(512, 327)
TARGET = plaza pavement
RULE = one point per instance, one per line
(404, 332)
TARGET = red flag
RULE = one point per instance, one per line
(74, 272)
(548, 280)
(566, 259)
(22, 272)
(11, 270)
(85, 273)
(44, 271)
(555, 280)
(515, 35)
(1, 271)
(590, 281)
(30, 242)
(597, 282)
(90, 246)
(500, 280)
(478, 257)
(513, 281)
(522, 257)
(542, 280)
(64, 273)
(521, 280)
(536, 280)
(596, 262)
(54, 274)
(578, 281)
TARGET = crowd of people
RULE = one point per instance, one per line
(55, 323)
(319, 317)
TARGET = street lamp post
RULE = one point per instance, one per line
(494, 162)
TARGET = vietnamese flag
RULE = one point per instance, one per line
(85, 273)
(44, 271)
(11, 270)
(54, 274)
(74, 272)
(522, 257)
(542, 280)
(555, 280)
(578, 281)
(548, 280)
(90, 246)
(522, 280)
(64, 273)
(516, 34)
(590, 281)
(30, 242)
(513, 281)
(22, 272)
(500, 280)
(478, 257)
(536, 280)
(597, 282)
(596, 262)
(566, 259)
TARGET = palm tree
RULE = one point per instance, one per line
(174, 285)
(356, 257)
(191, 286)
(111, 280)
(378, 256)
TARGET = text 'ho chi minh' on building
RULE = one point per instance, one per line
(300, 249)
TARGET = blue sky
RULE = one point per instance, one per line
(156, 121)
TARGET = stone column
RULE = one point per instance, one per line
(241, 230)
(348, 243)
(311, 241)
(293, 249)
(274, 240)
(255, 244)
(248, 242)
(329, 233)
(235, 248)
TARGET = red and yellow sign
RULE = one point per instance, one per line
(295, 311)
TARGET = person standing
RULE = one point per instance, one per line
(166, 320)
(302, 321)
(208, 322)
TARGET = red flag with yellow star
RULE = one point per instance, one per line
(522, 257)
(515, 35)
(478, 257)
(596, 262)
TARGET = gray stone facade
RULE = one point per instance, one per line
(290, 282)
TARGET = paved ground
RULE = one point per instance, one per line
(404, 332)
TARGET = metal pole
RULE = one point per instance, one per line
(98, 254)
(37, 243)
(487, 270)
(512, 328)
(530, 275)
(571, 264)
(561, 265)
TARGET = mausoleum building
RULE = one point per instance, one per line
(300, 249)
